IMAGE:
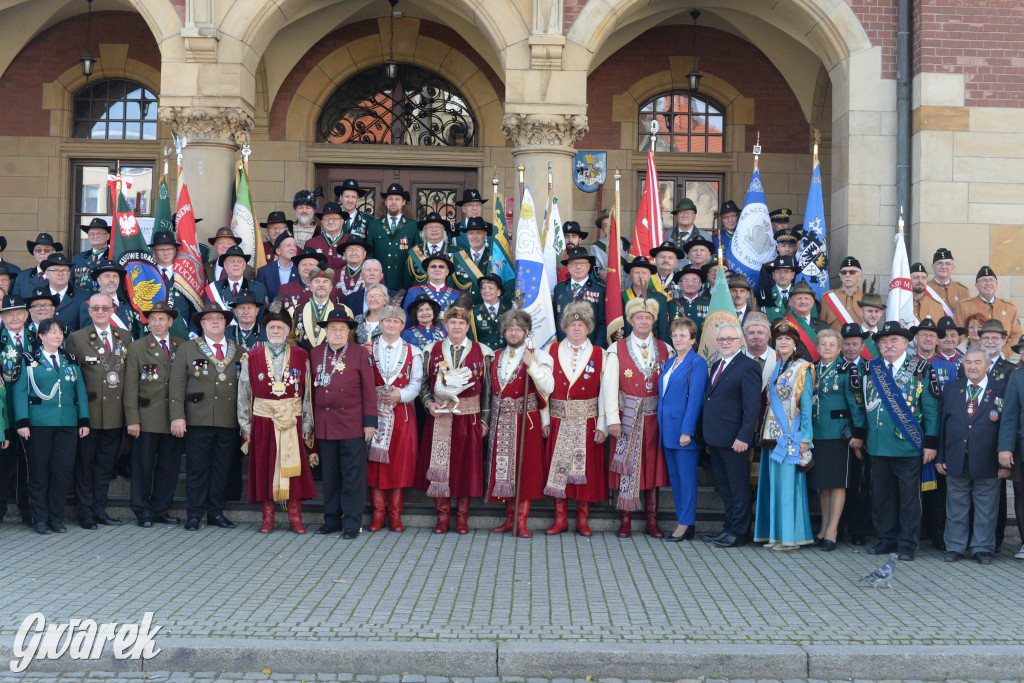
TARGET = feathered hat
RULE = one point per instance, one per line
(276, 312)
(461, 309)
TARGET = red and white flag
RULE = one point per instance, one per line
(900, 306)
(189, 276)
(648, 232)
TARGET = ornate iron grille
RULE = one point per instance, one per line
(439, 199)
(368, 203)
(418, 108)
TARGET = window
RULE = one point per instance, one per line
(686, 123)
(418, 108)
(115, 109)
(704, 189)
(92, 196)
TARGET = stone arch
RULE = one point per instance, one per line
(334, 69)
(163, 20)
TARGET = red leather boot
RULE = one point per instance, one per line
(295, 516)
(377, 502)
(625, 524)
(462, 516)
(651, 512)
(268, 517)
(522, 514)
(561, 517)
(582, 513)
(444, 514)
(509, 523)
(396, 503)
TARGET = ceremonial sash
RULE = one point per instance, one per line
(212, 294)
(870, 350)
(935, 295)
(896, 404)
(117, 322)
(805, 336)
(789, 435)
(834, 305)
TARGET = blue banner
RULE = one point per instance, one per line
(813, 257)
(753, 245)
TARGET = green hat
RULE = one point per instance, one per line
(872, 299)
(739, 282)
(801, 288)
(685, 204)
(992, 325)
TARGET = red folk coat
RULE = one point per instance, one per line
(534, 473)
(348, 402)
(586, 386)
(400, 470)
(654, 469)
(466, 472)
(335, 254)
(262, 441)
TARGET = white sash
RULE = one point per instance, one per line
(832, 301)
(935, 295)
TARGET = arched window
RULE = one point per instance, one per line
(115, 109)
(417, 107)
(686, 123)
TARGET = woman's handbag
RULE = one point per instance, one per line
(806, 461)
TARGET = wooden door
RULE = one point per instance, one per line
(430, 189)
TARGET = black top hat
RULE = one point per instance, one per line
(640, 262)
(333, 207)
(850, 262)
(780, 215)
(338, 315)
(356, 241)
(277, 217)
(787, 235)
(397, 189)
(573, 228)
(941, 254)
(41, 293)
(163, 307)
(471, 195)
(164, 237)
(492, 277)
(12, 302)
(287, 234)
(44, 238)
(432, 217)
(985, 271)
(441, 256)
(224, 232)
(246, 296)
(96, 223)
(422, 298)
(699, 272)
(477, 223)
(946, 324)
(349, 184)
(926, 325)
(309, 252)
(918, 268)
(892, 328)
(669, 247)
(303, 198)
(578, 253)
(697, 241)
(108, 267)
(211, 307)
(56, 259)
(232, 251)
(728, 206)
(787, 261)
(853, 330)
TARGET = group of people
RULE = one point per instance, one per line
(383, 354)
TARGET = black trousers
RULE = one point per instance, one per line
(856, 517)
(51, 461)
(208, 453)
(94, 470)
(344, 467)
(14, 477)
(156, 462)
(896, 500)
(1018, 510)
(933, 512)
(732, 478)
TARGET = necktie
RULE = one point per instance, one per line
(458, 355)
(718, 373)
(220, 350)
(889, 369)
(17, 342)
(167, 351)
(234, 289)
(53, 362)
(394, 224)
(106, 340)
(167, 276)
(492, 309)
(973, 390)
(576, 287)
(785, 298)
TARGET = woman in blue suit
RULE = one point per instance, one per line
(681, 393)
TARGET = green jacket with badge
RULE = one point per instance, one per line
(147, 382)
(920, 391)
(485, 327)
(836, 402)
(103, 373)
(197, 392)
(33, 404)
(391, 248)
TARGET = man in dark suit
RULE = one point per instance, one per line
(732, 401)
(968, 440)
(282, 270)
(57, 269)
(224, 291)
(581, 286)
(1011, 436)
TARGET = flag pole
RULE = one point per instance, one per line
(522, 183)
(494, 187)
(618, 210)
(522, 439)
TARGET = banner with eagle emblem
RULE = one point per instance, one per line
(812, 259)
(128, 249)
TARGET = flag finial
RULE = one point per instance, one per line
(757, 149)
(901, 220)
(654, 133)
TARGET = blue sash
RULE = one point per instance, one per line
(896, 404)
(787, 448)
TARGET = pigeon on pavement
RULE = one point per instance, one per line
(881, 576)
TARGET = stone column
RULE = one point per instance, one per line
(540, 138)
(214, 136)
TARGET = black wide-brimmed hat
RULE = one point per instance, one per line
(492, 277)
(699, 272)
(477, 223)
(333, 207)
(55, 259)
(208, 308)
(3, 242)
(164, 238)
(349, 184)
(277, 217)
(43, 238)
(339, 315)
(96, 223)
(309, 252)
(697, 241)
(108, 267)
(850, 330)
(573, 228)
(5, 269)
(441, 256)
(1016, 347)
(12, 302)
(232, 251)
(728, 206)
(669, 247)
(575, 253)
(396, 189)
(926, 325)
(423, 298)
(41, 293)
(356, 241)
(163, 307)
(946, 324)
(892, 328)
(471, 195)
(640, 262)
(787, 261)
(433, 217)
(246, 296)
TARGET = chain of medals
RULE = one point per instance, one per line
(388, 367)
(344, 276)
(647, 367)
(219, 364)
(111, 375)
(327, 369)
(277, 385)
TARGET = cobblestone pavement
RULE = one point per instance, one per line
(417, 586)
(396, 678)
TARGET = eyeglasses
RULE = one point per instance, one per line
(58, 271)
(40, 307)
(101, 308)
(722, 340)
(849, 271)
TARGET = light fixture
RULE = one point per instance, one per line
(88, 61)
(695, 75)
(391, 66)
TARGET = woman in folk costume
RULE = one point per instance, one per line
(782, 520)
(276, 420)
(637, 461)
(457, 395)
(398, 371)
(586, 392)
(509, 372)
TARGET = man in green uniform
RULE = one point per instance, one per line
(486, 329)
(390, 238)
(775, 301)
(349, 193)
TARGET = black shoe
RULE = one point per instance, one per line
(906, 556)
(669, 538)
(107, 520)
(858, 540)
(708, 538)
(983, 558)
(87, 524)
(221, 521)
(42, 529)
(192, 525)
(145, 522)
(818, 542)
(952, 556)
(827, 546)
(882, 548)
(58, 528)
(939, 545)
(729, 541)
(164, 518)
(349, 535)
(327, 529)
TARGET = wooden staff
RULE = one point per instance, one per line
(522, 440)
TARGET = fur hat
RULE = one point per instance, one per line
(393, 309)
(634, 306)
(314, 273)
(462, 309)
(516, 317)
(578, 310)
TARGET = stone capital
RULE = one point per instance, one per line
(563, 130)
(222, 124)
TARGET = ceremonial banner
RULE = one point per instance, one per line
(590, 169)
(163, 220)
(812, 260)
(243, 224)
(128, 249)
(554, 246)
(900, 306)
(613, 314)
(648, 232)
(189, 276)
(753, 245)
(531, 278)
(502, 263)
(720, 311)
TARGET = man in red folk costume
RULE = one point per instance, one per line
(398, 369)
(457, 395)
(637, 461)
(508, 384)
(276, 420)
(585, 393)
